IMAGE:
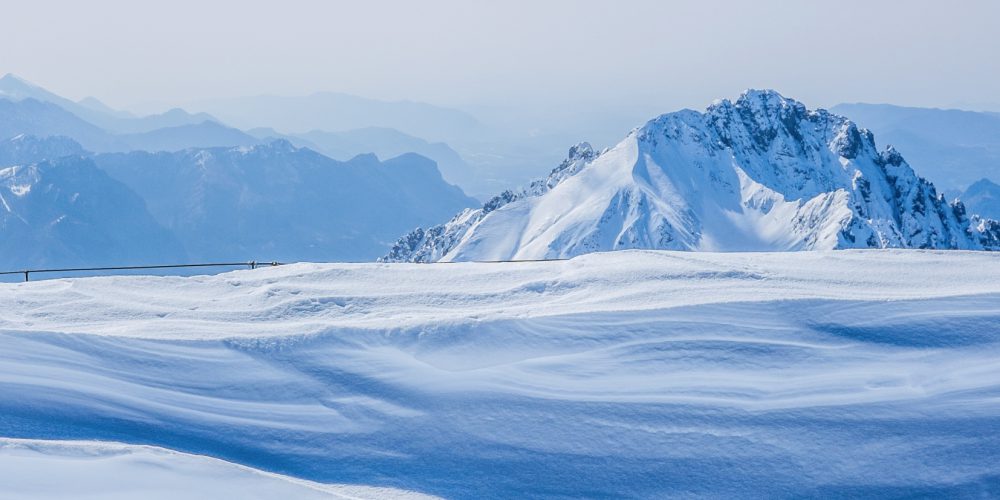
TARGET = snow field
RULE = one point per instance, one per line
(637, 373)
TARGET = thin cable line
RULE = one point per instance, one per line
(251, 264)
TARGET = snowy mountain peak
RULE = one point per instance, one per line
(765, 106)
(581, 151)
(762, 172)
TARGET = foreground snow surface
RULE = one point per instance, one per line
(638, 374)
(32, 469)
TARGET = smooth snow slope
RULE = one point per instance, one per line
(33, 469)
(640, 373)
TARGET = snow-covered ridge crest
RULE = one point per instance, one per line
(431, 244)
(761, 173)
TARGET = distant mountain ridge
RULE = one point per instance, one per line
(44, 119)
(199, 191)
(335, 112)
(28, 149)
(389, 143)
(67, 212)
(15, 88)
(983, 198)
(60, 204)
(285, 202)
(93, 111)
(760, 173)
(26, 108)
(206, 134)
(950, 147)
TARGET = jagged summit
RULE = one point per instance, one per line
(762, 172)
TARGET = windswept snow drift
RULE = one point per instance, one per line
(32, 469)
(634, 373)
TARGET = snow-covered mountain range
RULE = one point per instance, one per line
(288, 203)
(26, 149)
(761, 173)
(215, 192)
(61, 206)
(360, 126)
(66, 212)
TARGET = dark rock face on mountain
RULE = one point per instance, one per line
(761, 173)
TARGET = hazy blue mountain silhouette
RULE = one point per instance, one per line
(983, 198)
(952, 148)
(333, 111)
(284, 202)
(29, 149)
(44, 119)
(96, 112)
(67, 213)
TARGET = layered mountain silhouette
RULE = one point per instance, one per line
(66, 212)
(284, 202)
(64, 207)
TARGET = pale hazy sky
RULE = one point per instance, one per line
(659, 54)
